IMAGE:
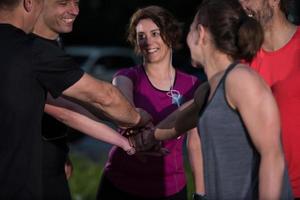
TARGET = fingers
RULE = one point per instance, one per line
(131, 141)
(131, 151)
(142, 139)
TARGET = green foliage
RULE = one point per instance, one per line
(86, 177)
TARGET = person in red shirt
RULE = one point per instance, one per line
(278, 62)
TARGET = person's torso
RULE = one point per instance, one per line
(153, 176)
(28, 71)
(281, 70)
(230, 161)
(21, 104)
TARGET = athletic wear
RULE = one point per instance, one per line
(281, 70)
(27, 74)
(152, 176)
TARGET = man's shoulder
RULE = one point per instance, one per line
(47, 49)
(43, 44)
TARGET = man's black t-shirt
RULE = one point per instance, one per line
(27, 74)
(55, 151)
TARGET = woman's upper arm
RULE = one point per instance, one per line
(125, 84)
(250, 96)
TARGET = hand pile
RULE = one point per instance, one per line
(143, 141)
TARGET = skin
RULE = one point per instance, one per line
(57, 17)
(245, 92)
(277, 29)
(109, 101)
(157, 64)
(24, 15)
(156, 54)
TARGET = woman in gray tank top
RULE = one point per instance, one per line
(238, 119)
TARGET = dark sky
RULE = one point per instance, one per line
(104, 22)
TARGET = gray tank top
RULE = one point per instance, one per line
(231, 163)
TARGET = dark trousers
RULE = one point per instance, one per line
(55, 184)
(107, 191)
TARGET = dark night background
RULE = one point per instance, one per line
(104, 22)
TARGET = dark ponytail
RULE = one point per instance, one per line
(232, 31)
(250, 38)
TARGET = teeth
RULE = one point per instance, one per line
(68, 20)
(152, 50)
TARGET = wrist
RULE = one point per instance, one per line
(144, 117)
(198, 196)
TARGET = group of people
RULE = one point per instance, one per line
(240, 126)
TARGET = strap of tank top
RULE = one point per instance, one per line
(230, 67)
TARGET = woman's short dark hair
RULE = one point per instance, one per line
(233, 32)
(170, 28)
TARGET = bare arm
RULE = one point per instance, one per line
(195, 159)
(107, 98)
(247, 92)
(125, 85)
(79, 118)
(184, 118)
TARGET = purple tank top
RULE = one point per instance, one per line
(152, 176)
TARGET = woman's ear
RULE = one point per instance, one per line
(201, 33)
(27, 4)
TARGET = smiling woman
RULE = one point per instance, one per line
(157, 87)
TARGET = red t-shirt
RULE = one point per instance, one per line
(281, 71)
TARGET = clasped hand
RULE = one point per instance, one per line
(144, 142)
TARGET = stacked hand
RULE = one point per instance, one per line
(144, 142)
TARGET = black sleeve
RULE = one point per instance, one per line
(56, 71)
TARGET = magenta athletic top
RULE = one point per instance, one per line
(152, 176)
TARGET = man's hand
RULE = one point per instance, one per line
(144, 142)
(142, 139)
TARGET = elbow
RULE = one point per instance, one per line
(105, 98)
(275, 159)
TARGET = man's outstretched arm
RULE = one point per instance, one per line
(107, 98)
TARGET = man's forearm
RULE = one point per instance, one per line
(117, 108)
(105, 97)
